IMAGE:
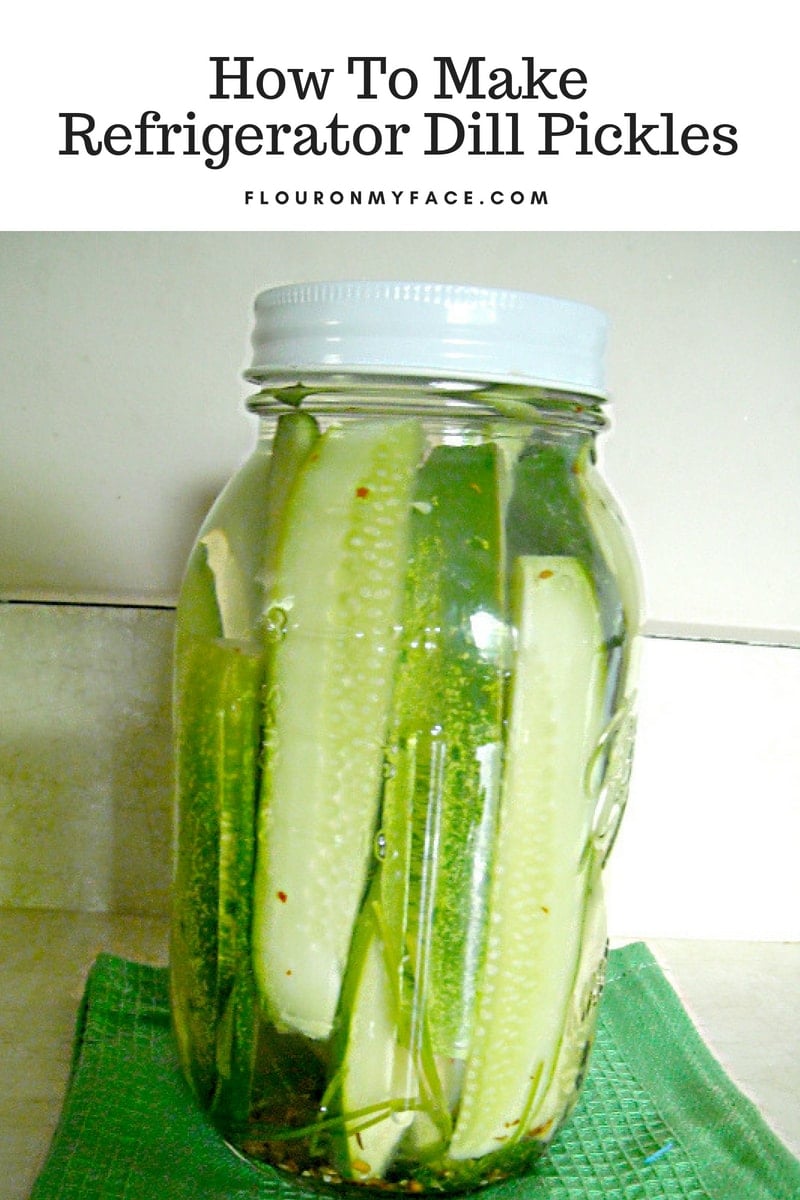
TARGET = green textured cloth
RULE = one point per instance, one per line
(658, 1116)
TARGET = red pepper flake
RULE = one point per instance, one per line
(476, 487)
(545, 574)
(545, 909)
(540, 1130)
(289, 971)
(282, 897)
(362, 492)
(362, 1167)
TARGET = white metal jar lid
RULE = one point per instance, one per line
(428, 330)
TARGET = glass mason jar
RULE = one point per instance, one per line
(404, 723)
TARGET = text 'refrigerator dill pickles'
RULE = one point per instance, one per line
(404, 723)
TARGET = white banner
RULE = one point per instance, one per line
(415, 116)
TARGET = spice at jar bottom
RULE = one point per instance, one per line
(404, 720)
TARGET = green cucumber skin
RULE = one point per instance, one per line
(617, 551)
(338, 585)
(217, 767)
(237, 1040)
(446, 739)
(295, 436)
(545, 511)
(218, 686)
(547, 515)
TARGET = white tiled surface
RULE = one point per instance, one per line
(85, 793)
(707, 847)
(706, 855)
(742, 996)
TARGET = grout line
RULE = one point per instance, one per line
(783, 639)
(780, 639)
(61, 602)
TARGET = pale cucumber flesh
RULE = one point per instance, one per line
(379, 1089)
(537, 889)
(333, 610)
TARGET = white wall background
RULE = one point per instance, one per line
(122, 414)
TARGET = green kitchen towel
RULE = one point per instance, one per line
(658, 1116)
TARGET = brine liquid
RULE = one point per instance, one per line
(275, 1093)
(402, 753)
